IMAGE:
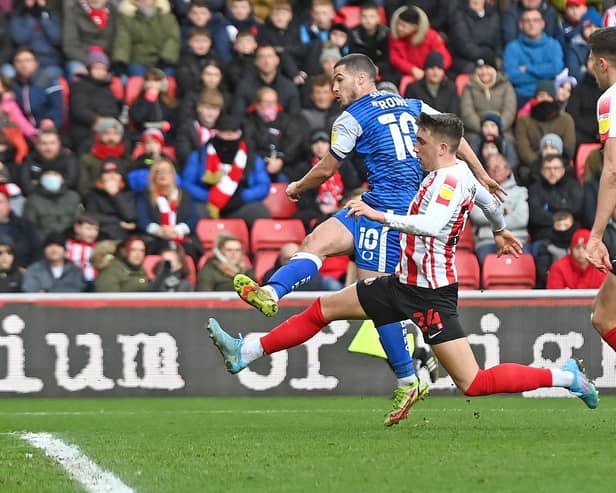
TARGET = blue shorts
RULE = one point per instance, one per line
(377, 248)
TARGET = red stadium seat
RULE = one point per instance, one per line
(117, 88)
(582, 155)
(149, 262)
(508, 272)
(406, 81)
(135, 84)
(468, 270)
(467, 239)
(277, 202)
(264, 261)
(351, 15)
(271, 234)
(209, 229)
(192, 271)
(461, 81)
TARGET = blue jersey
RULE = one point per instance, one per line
(381, 126)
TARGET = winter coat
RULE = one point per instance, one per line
(110, 210)
(238, 68)
(44, 98)
(254, 185)
(119, 277)
(477, 99)
(511, 22)
(375, 46)
(143, 113)
(288, 95)
(582, 107)
(446, 99)
(287, 43)
(406, 53)
(79, 32)
(90, 171)
(565, 273)
(320, 119)
(38, 278)
(543, 59)
(89, 99)
(217, 26)
(10, 280)
(52, 212)
(145, 41)
(188, 74)
(6, 48)
(43, 34)
(34, 166)
(186, 214)
(170, 282)
(472, 37)
(576, 56)
(515, 209)
(25, 237)
(440, 12)
(211, 278)
(16, 115)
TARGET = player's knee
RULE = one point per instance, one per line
(600, 321)
(475, 388)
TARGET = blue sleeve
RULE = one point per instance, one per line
(22, 29)
(143, 213)
(414, 106)
(258, 183)
(511, 63)
(52, 28)
(222, 43)
(29, 281)
(191, 178)
(55, 104)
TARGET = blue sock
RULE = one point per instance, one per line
(393, 340)
(300, 269)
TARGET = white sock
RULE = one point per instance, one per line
(251, 351)
(403, 382)
(271, 290)
(561, 378)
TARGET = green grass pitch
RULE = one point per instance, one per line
(318, 444)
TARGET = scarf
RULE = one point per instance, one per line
(79, 252)
(168, 208)
(203, 134)
(331, 191)
(102, 151)
(10, 190)
(98, 16)
(223, 182)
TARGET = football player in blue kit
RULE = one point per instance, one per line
(381, 127)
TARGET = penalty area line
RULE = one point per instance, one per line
(77, 464)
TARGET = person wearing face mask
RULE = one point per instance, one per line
(275, 136)
(225, 178)
(51, 207)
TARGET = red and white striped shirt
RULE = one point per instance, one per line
(80, 252)
(606, 114)
(436, 217)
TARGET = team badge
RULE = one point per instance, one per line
(445, 194)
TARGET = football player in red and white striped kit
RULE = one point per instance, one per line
(425, 286)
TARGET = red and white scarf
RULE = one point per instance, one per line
(332, 190)
(10, 190)
(98, 16)
(204, 134)
(79, 252)
(221, 192)
(168, 208)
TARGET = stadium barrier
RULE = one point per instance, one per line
(154, 345)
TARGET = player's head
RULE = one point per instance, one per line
(602, 58)
(438, 138)
(354, 76)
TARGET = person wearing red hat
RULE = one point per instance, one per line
(573, 271)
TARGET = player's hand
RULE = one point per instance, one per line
(597, 254)
(494, 188)
(292, 192)
(359, 208)
(507, 244)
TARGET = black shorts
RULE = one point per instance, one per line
(435, 311)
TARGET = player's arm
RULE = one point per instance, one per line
(319, 174)
(506, 242)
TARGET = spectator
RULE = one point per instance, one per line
(38, 94)
(241, 17)
(475, 33)
(577, 49)
(37, 26)
(268, 74)
(548, 145)
(316, 29)
(123, 272)
(411, 40)
(86, 24)
(582, 107)
(440, 12)
(228, 260)
(573, 271)
(12, 116)
(111, 204)
(211, 78)
(576, 11)
(545, 117)
(435, 88)
(155, 107)
(53, 273)
(172, 271)
(10, 274)
(488, 90)
(563, 86)
(91, 98)
(197, 132)
(51, 207)
(492, 141)
(556, 191)
(79, 246)
(233, 190)
(108, 144)
(192, 62)
(48, 155)
(20, 231)
(6, 49)
(532, 56)
(322, 109)
(242, 61)
(10, 189)
(276, 137)
(372, 39)
(200, 16)
(512, 15)
(166, 214)
(148, 36)
(514, 207)
(148, 150)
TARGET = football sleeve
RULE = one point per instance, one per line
(606, 115)
(345, 132)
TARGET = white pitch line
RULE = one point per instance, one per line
(77, 464)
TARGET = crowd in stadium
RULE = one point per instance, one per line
(132, 131)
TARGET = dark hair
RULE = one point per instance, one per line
(369, 6)
(321, 80)
(87, 219)
(410, 15)
(534, 9)
(358, 62)
(24, 49)
(603, 43)
(199, 3)
(263, 46)
(199, 31)
(244, 33)
(551, 157)
(446, 125)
